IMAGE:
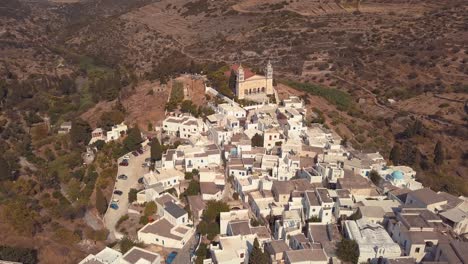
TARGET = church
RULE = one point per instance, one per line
(250, 84)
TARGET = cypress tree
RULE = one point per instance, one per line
(439, 155)
(257, 256)
(101, 202)
(156, 150)
(395, 155)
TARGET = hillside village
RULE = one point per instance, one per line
(255, 183)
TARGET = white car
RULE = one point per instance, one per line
(126, 157)
(115, 200)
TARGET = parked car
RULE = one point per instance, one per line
(115, 200)
(134, 153)
(140, 181)
(118, 192)
(114, 206)
(148, 160)
(122, 177)
(170, 258)
(126, 157)
(140, 151)
(123, 163)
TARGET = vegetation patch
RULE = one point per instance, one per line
(342, 100)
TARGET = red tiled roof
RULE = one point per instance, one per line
(247, 72)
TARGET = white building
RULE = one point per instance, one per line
(231, 250)
(184, 126)
(167, 178)
(135, 255)
(372, 239)
(232, 110)
(401, 176)
(116, 132)
(163, 233)
(318, 204)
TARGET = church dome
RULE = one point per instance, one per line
(397, 175)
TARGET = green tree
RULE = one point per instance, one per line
(395, 155)
(192, 189)
(126, 244)
(210, 219)
(256, 255)
(213, 209)
(187, 106)
(257, 140)
(150, 208)
(101, 202)
(439, 155)
(347, 250)
(17, 254)
(5, 172)
(80, 133)
(188, 176)
(156, 150)
(133, 140)
(375, 177)
(201, 253)
(109, 119)
(232, 80)
(19, 214)
(132, 195)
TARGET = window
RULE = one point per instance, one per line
(174, 181)
(157, 239)
(241, 256)
(417, 250)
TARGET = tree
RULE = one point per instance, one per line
(17, 254)
(80, 133)
(347, 250)
(132, 195)
(133, 140)
(257, 140)
(201, 253)
(109, 119)
(395, 155)
(193, 188)
(99, 144)
(156, 150)
(188, 176)
(187, 106)
(210, 219)
(5, 172)
(126, 244)
(232, 80)
(150, 208)
(101, 202)
(213, 209)
(375, 177)
(256, 255)
(439, 155)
